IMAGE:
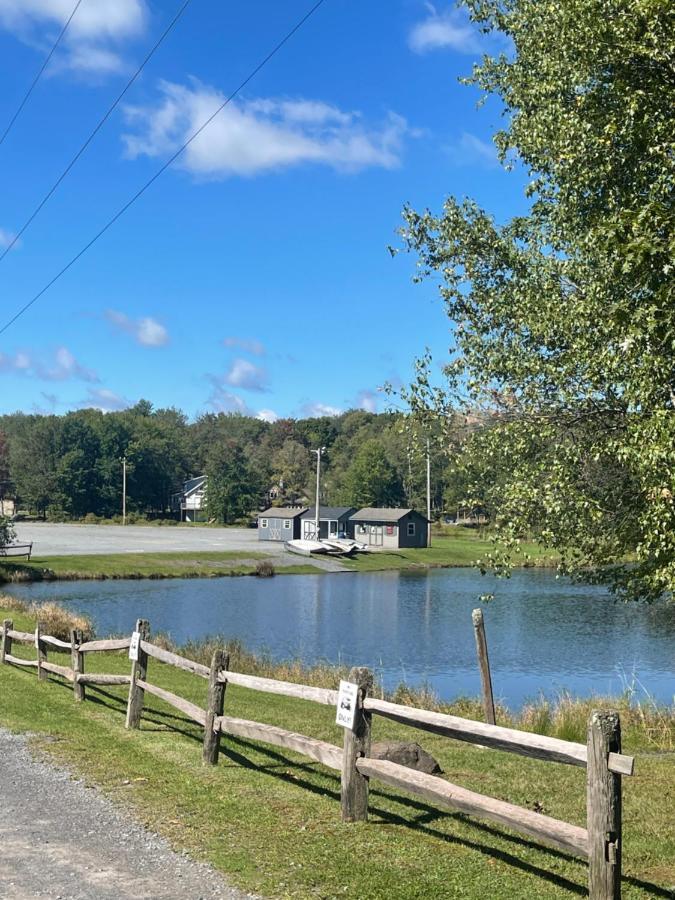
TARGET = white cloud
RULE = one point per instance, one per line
(248, 345)
(90, 43)
(61, 366)
(263, 135)
(6, 238)
(222, 400)
(315, 410)
(103, 399)
(244, 374)
(367, 400)
(146, 331)
(267, 415)
(448, 29)
(470, 150)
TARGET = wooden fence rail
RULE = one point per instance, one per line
(599, 842)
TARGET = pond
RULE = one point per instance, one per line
(545, 634)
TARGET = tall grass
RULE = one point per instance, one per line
(54, 619)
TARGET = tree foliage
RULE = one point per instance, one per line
(564, 317)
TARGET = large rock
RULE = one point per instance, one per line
(406, 753)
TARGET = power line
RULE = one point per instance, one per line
(96, 130)
(39, 74)
(164, 167)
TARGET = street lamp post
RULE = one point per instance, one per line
(124, 490)
(318, 452)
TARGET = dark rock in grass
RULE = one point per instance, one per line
(406, 753)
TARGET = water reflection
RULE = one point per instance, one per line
(544, 634)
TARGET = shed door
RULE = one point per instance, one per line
(275, 529)
(375, 536)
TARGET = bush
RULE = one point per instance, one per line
(264, 569)
(57, 621)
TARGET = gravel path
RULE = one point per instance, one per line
(63, 840)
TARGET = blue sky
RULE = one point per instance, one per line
(254, 274)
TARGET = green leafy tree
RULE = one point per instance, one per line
(291, 467)
(371, 479)
(565, 316)
(232, 489)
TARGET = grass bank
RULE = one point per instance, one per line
(270, 820)
(181, 564)
(453, 548)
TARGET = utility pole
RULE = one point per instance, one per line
(318, 452)
(428, 494)
(124, 490)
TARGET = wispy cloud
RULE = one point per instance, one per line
(248, 345)
(6, 238)
(470, 150)
(91, 43)
(263, 135)
(103, 399)
(267, 415)
(60, 365)
(448, 29)
(367, 399)
(222, 400)
(316, 410)
(244, 374)
(146, 331)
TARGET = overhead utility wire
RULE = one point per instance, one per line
(96, 130)
(39, 74)
(164, 167)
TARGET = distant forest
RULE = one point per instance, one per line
(70, 466)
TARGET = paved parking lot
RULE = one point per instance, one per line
(64, 540)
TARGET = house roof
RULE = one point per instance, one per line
(283, 512)
(329, 512)
(193, 483)
(383, 514)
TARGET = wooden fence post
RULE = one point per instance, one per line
(76, 662)
(41, 653)
(6, 645)
(354, 785)
(603, 807)
(139, 670)
(214, 707)
(484, 665)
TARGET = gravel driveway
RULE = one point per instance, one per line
(63, 540)
(60, 839)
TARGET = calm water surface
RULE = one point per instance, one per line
(544, 634)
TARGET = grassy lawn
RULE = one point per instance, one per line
(270, 819)
(178, 564)
(458, 546)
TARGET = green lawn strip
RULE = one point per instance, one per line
(270, 819)
(461, 547)
(179, 564)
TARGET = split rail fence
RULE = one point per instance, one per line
(599, 842)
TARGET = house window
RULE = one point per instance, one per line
(263, 523)
(411, 529)
(287, 524)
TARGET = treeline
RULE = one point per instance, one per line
(70, 466)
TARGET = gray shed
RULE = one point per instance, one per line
(390, 529)
(333, 522)
(280, 523)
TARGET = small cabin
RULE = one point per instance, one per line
(390, 529)
(190, 502)
(333, 522)
(280, 523)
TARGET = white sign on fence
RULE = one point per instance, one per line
(346, 704)
(134, 646)
(37, 638)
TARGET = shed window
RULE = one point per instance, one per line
(390, 529)
(287, 523)
(362, 529)
(263, 523)
(411, 529)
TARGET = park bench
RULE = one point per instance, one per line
(17, 550)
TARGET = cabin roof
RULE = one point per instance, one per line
(282, 512)
(329, 512)
(382, 514)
